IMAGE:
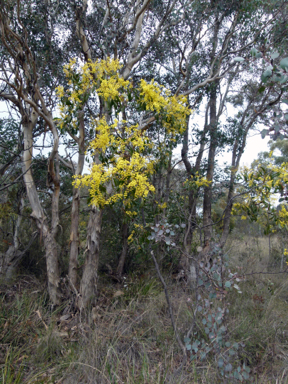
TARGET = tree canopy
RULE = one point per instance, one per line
(122, 84)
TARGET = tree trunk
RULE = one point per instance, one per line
(51, 252)
(12, 257)
(237, 152)
(74, 231)
(124, 252)
(88, 286)
(74, 238)
(186, 264)
(207, 202)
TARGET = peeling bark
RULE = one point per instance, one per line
(207, 202)
(88, 286)
(74, 231)
(46, 234)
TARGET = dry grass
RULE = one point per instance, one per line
(128, 337)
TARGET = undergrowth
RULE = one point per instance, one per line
(128, 337)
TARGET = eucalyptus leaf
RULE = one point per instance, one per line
(284, 63)
(228, 367)
(220, 362)
(274, 55)
(238, 59)
(264, 133)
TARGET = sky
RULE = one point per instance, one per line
(255, 145)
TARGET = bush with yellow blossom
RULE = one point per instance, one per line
(261, 187)
(123, 152)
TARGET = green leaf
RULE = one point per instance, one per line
(262, 89)
(286, 116)
(236, 375)
(228, 284)
(285, 101)
(264, 132)
(266, 74)
(274, 55)
(284, 63)
(238, 59)
(167, 240)
(253, 52)
(202, 355)
(220, 362)
(245, 375)
(228, 367)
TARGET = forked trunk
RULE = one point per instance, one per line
(187, 264)
(46, 234)
(88, 286)
(74, 231)
(207, 201)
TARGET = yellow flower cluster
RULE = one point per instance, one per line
(196, 181)
(261, 184)
(126, 169)
(162, 206)
(122, 147)
(174, 109)
(109, 89)
(100, 77)
(283, 217)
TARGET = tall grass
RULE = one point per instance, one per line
(128, 338)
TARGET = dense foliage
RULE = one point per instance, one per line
(117, 114)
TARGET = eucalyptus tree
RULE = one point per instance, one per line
(208, 56)
(235, 29)
(36, 38)
(126, 31)
(12, 198)
(192, 48)
(30, 59)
